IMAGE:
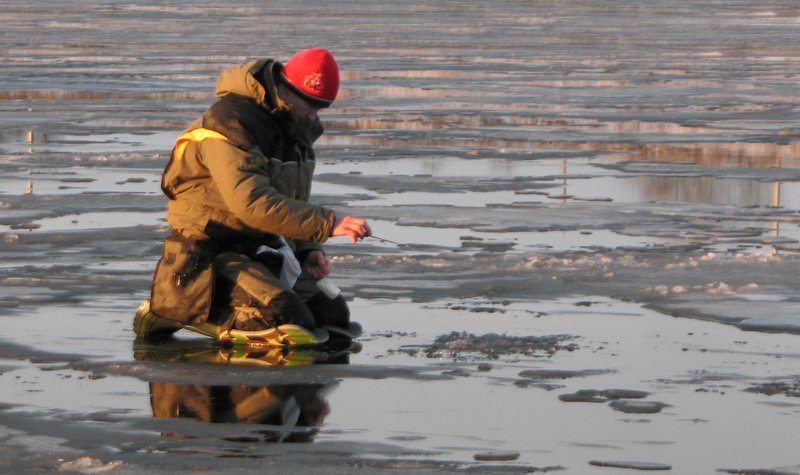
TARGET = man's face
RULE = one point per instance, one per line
(303, 110)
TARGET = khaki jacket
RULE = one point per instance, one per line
(247, 165)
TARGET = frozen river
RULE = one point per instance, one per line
(583, 169)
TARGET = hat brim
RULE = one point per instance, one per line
(314, 101)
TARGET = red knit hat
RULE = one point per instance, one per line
(314, 75)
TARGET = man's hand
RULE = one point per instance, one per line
(317, 265)
(356, 228)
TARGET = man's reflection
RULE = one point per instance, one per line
(292, 412)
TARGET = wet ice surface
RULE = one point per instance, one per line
(559, 181)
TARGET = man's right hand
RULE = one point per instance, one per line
(356, 228)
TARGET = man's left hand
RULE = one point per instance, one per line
(317, 265)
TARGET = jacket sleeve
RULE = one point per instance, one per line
(247, 191)
(303, 248)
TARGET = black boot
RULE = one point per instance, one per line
(329, 312)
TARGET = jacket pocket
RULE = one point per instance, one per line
(183, 283)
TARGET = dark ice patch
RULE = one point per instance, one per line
(537, 374)
(756, 471)
(631, 465)
(494, 345)
(638, 407)
(594, 395)
(787, 388)
(496, 456)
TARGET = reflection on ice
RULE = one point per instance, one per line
(689, 189)
(749, 155)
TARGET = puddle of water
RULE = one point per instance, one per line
(98, 220)
(469, 241)
(49, 386)
(53, 180)
(452, 166)
(549, 181)
(37, 142)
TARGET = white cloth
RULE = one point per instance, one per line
(290, 270)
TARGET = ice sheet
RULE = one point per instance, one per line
(588, 169)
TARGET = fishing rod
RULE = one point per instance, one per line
(383, 239)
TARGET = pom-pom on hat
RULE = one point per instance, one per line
(314, 75)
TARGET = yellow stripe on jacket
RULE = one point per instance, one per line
(194, 135)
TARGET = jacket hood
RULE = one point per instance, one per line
(241, 80)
